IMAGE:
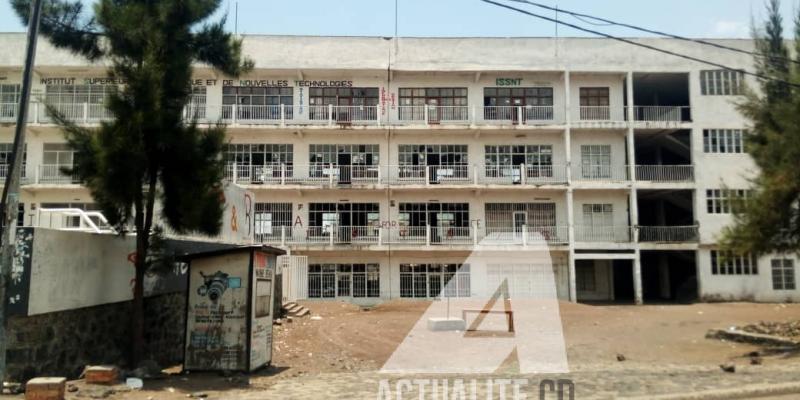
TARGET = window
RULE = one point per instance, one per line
(596, 161)
(537, 159)
(20, 216)
(353, 103)
(432, 154)
(585, 278)
(263, 289)
(454, 215)
(270, 219)
(598, 215)
(254, 103)
(505, 217)
(344, 280)
(721, 82)
(5, 158)
(71, 99)
(725, 201)
(723, 140)
(196, 106)
(783, 274)
(537, 103)
(9, 101)
(451, 102)
(732, 264)
(595, 102)
(434, 280)
(344, 154)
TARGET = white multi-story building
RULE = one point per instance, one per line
(389, 161)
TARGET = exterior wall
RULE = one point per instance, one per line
(63, 343)
(743, 287)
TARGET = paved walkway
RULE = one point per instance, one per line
(611, 383)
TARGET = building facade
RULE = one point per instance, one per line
(388, 162)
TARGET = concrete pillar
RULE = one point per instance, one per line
(630, 137)
(638, 294)
(573, 293)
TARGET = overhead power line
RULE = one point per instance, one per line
(608, 22)
(646, 46)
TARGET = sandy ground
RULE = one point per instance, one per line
(348, 339)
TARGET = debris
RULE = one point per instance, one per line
(789, 329)
(729, 368)
(756, 361)
(748, 337)
(620, 357)
(134, 383)
(101, 374)
(147, 369)
(316, 318)
(72, 388)
(46, 388)
(13, 387)
(198, 395)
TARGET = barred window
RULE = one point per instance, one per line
(270, 220)
(259, 154)
(721, 82)
(75, 94)
(434, 280)
(344, 280)
(344, 154)
(783, 274)
(726, 263)
(725, 201)
(432, 154)
(5, 158)
(723, 140)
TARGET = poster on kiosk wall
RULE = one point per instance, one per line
(229, 311)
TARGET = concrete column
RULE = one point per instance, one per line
(573, 293)
(630, 135)
(637, 278)
(568, 127)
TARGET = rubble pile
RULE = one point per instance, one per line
(790, 329)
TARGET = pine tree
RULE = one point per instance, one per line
(769, 220)
(147, 153)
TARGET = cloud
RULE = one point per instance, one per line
(724, 28)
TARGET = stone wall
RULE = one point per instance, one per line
(63, 343)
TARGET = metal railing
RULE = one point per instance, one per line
(603, 234)
(431, 114)
(595, 113)
(669, 234)
(518, 114)
(253, 114)
(665, 173)
(51, 173)
(345, 114)
(662, 113)
(600, 172)
(525, 235)
(522, 174)
(4, 173)
(73, 219)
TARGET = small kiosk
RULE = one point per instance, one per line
(229, 309)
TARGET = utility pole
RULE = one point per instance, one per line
(10, 199)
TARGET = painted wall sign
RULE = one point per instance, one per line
(204, 82)
(81, 81)
(324, 83)
(256, 82)
(508, 81)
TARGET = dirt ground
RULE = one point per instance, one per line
(345, 338)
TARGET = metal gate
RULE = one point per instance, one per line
(294, 277)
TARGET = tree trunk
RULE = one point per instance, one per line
(137, 328)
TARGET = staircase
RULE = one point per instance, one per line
(294, 310)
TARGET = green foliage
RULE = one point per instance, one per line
(770, 219)
(147, 152)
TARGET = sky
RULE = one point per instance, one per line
(693, 18)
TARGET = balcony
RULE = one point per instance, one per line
(600, 173)
(669, 234)
(4, 174)
(413, 236)
(674, 114)
(665, 173)
(396, 175)
(336, 115)
(603, 234)
(52, 174)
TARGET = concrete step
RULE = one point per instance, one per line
(302, 313)
(288, 305)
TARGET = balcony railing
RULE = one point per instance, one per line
(606, 234)
(662, 113)
(51, 173)
(665, 173)
(600, 172)
(399, 175)
(335, 235)
(4, 173)
(334, 115)
(669, 234)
